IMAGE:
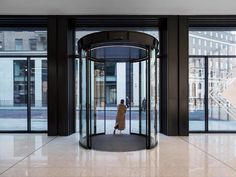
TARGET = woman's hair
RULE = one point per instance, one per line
(122, 101)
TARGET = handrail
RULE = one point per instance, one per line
(223, 83)
(212, 56)
(23, 56)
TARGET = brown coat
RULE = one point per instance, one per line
(120, 117)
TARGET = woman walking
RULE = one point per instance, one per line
(120, 117)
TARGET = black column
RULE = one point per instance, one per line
(52, 76)
(169, 76)
(61, 88)
(66, 87)
(183, 76)
(174, 76)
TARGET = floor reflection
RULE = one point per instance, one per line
(202, 155)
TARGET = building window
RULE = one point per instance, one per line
(1, 45)
(199, 95)
(221, 46)
(199, 41)
(193, 40)
(216, 65)
(199, 86)
(19, 44)
(193, 89)
(33, 44)
(211, 74)
(200, 73)
(44, 83)
(199, 51)
(20, 82)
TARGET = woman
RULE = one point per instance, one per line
(120, 117)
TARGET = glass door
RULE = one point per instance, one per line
(97, 98)
(135, 123)
(138, 114)
(83, 126)
(143, 98)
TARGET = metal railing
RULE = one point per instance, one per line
(222, 84)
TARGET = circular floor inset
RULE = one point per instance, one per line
(118, 142)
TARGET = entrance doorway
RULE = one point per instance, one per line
(132, 58)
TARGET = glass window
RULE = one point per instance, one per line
(38, 91)
(199, 51)
(221, 82)
(13, 94)
(199, 86)
(199, 41)
(1, 45)
(33, 44)
(200, 73)
(14, 89)
(196, 101)
(18, 44)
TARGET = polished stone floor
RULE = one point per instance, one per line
(36, 155)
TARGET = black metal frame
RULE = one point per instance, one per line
(206, 115)
(130, 90)
(173, 115)
(28, 59)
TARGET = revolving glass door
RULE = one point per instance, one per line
(139, 52)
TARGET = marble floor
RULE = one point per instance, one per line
(36, 155)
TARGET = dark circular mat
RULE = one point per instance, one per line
(118, 142)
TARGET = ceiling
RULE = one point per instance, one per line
(117, 7)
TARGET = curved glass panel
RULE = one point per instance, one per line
(143, 92)
(135, 99)
(83, 92)
(118, 53)
(99, 97)
(153, 94)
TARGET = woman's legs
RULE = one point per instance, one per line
(115, 127)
